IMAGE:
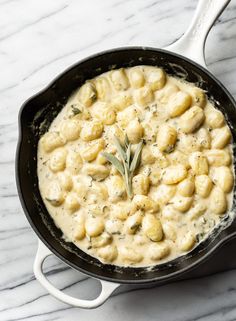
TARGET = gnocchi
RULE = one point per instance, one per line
(103, 88)
(144, 96)
(166, 138)
(91, 130)
(158, 251)
(119, 79)
(70, 129)
(223, 177)
(51, 140)
(74, 162)
(218, 157)
(164, 193)
(152, 228)
(97, 172)
(54, 194)
(169, 231)
(108, 253)
(94, 226)
(137, 79)
(141, 184)
(196, 211)
(101, 240)
(174, 174)
(218, 202)
(204, 138)
(79, 233)
(72, 202)
(91, 151)
(187, 242)
(120, 102)
(215, 119)
(147, 156)
(133, 222)
(198, 97)
(117, 189)
(87, 94)
(178, 103)
(65, 181)
(137, 168)
(58, 160)
(105, 114)
(170, 214)
(220, 137)
(203, 185)
(120, 212)
(181, 203)
(145, 203)
(131, 255)
(192, 119)
(186, 187)
(134, 131)
(156, 78)
(198, 163)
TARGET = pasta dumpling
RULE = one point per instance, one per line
(58, 160)
(70, 129)
(87, 94)
(178, 103)
(51, 140)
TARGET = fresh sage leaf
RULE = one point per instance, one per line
(137, 157)
(114, 161)
(127, 143)
(128, 155)
(119, 148)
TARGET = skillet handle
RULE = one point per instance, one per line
(107, 287)
(192, 43)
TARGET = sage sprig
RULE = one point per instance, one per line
(128, 162)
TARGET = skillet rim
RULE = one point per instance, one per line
(162, 279)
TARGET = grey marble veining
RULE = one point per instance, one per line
(38, 40)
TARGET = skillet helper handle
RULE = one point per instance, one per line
(192, 43)
(107, 287)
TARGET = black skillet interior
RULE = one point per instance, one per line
(35, 118)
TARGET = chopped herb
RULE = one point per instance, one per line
(75, 110)
(200, 236)
(204, 221)
(116, 233)
(169, 149)
(147, 171)
(134, 227)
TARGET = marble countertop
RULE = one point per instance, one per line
(38, 40)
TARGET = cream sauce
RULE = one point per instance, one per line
(86, 196)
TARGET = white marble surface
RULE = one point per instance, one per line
(38, 40)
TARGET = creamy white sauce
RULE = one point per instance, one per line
(87, 207)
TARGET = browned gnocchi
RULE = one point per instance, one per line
(136, 166)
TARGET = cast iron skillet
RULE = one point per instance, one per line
(39, 111)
